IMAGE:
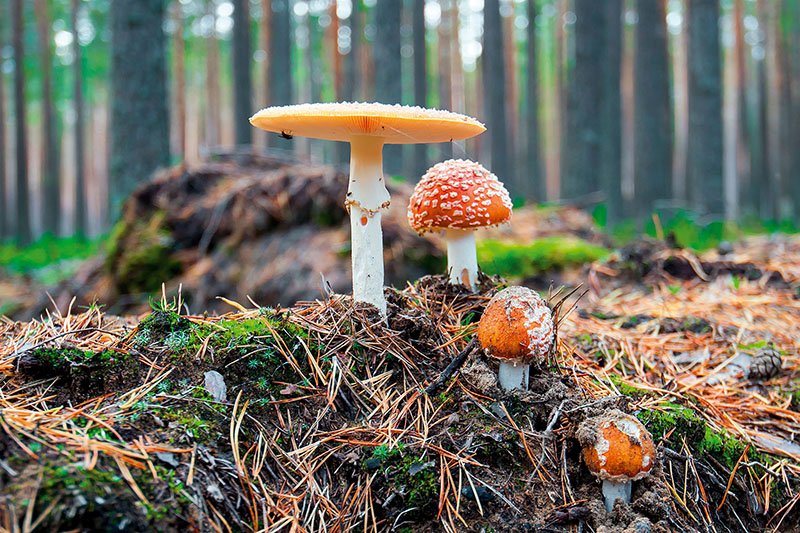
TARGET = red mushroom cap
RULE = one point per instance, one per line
(616, 446)
(458, 194)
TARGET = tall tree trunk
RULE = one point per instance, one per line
(457, 92)
(743, 163)
(582, 150)
(420, 79)
(352, 62)
(494, 92)
(652, 110)
(50, 150)
(704, 161)
(213, 120)
(180, 82)
(680, 80)
(4, 218)
(139, 117)
(443, 62)
(535, 186)
(280, 62)
(784, 85)
(81, 214)
(794, 174)
(22, 215)
(611, 119)
(242, 83)
(336, 59)
(388, 88)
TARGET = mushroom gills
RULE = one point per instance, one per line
(513, 375)
(462, 258)
(613, 490)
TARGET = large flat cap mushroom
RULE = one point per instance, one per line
(367, 127)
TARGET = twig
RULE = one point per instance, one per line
(452, 367)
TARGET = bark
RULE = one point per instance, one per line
(582, 151)
(443, 62)
(336, 60)
(139, 117)
(280, 62)
(81, 214)
(652, 109)
(179, 52)
(242, 82)
(611, 148)
(494, 91)
(22, 215)
(704, 158)
(420, 79)
(794, 174)
(212, 81)
(387, 60)
(457, 92)
(51, 206)
(352, 61)
(743, 174)
(535, 187)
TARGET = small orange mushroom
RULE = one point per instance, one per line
(517, 329)
(619, 450)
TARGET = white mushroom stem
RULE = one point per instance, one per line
(513, 375)
(366, 196)
(612, 490)
(462, 259)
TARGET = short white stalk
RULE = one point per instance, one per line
(613, 490)
(513, 376)
(462, 259)
(366, 196)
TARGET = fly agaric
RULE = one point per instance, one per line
(458, 196)
(367, 127)
(619, 450)
(517, 329)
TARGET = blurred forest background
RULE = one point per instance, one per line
(624, 107)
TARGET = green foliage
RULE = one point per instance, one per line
(628, 390)
(422, 488)
(525, 260)
(49, 259)
(685, 423)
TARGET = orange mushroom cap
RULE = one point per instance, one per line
(341, 121)
(516, 326)
(458, 194)
(616, 446)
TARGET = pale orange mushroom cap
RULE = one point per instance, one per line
(458, 194)
(341, 121)
(516, 326)
(616, 447)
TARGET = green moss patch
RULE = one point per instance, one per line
(526, 260)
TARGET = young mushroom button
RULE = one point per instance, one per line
(459, 196)
(619, 450)
(367, 127)
(517, 329)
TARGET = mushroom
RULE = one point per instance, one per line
(367, 127)
(517, 329)
(458, 196)
(619, 450)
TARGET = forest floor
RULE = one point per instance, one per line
(320, 417)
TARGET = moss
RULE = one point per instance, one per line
(527, 260)
(419, 480)
(628, 390)
(685, 423)
(140, 254)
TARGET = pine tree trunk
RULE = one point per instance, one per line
(51, 206)
(4, 219)
(22, 215)
(387, 60)
(280, 62)
(652, 109)
(611, 119)
(443, 62)
(179, 58)
(494, 93)
(704, 160)
(534, 173)
(582, 150)
(743, 173)
(457, 92)
(420, 80)
(212, 81)
(242, 83)
(794, 173)
(81, 214)
(139, 116)
(352, 61)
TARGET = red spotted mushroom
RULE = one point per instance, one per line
(516, 329)
(619, 450)
(367, 127)
(457, 197)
